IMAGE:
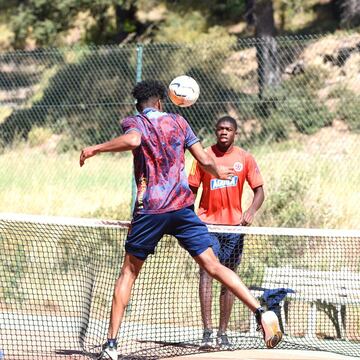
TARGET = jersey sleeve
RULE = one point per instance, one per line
(129, 124)
(190, 137)
(195, 176)
(253, 175)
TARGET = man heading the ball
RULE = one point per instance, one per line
(164, 204)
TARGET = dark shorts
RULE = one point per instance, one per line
(228, 248)
(147, 229)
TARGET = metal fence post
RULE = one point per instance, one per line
(139, 57)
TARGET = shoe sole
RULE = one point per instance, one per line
(271, 327)
(108, 355)
(274, 340)
(207, 347)
(225, 347)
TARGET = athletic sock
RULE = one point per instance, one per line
(258, 312)
(112, 343)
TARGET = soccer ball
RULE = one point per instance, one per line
(184, 91)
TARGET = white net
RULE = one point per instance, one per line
(57, 277)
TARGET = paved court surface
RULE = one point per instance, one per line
(266, 354)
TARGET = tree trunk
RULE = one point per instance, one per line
(124, 15)
(250, 12)
(266, 48)
(350, 12)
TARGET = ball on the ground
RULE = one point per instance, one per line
(184, 91)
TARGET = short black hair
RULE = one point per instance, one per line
(229, 119)
(146, 89)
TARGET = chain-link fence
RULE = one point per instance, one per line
(296, 101)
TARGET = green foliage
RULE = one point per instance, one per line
(294, 106)
(181, 28)
(43, 21)
(287, 204)
(67, 144)
(121, 211)
(83, 100)
(13, 265)
(284, 205)
(187, 20)
(39, 135)
(57, 252)
(253, 267)
(275, 125)
(312, 79)
(77, 248)
(349, 112)
(46, 23)
(215, 11)
(285, 249)
(347, 107)
(308, 115)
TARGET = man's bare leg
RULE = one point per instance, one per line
(122, 290)
(268, 321)
(205, 292)
(209, 262)
(226, 304)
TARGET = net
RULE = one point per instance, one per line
(57, 278)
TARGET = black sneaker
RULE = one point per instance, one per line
(207, 342)
(222, 341)
(268, 324)
(109, 352)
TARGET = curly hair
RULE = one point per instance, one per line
(144, 90)
(229, 119)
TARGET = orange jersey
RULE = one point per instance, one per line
(220, 201)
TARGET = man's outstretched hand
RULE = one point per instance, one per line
(87, 153)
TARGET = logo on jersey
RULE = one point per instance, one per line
(238, 166)
(219, 184)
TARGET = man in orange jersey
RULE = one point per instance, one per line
(220, 204)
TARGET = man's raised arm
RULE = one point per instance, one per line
(208, 163)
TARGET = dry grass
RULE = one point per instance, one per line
(39, 182)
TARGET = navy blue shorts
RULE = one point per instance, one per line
(147, 229)
(228, 248)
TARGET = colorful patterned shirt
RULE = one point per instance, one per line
(159, 161)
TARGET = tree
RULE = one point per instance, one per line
(215, 11)
(43, 20)
(250, 12)
(261, 14)
(350, 12)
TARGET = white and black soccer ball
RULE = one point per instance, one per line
(184, 91)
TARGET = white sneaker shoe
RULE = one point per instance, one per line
(269, 325)
(108, 352)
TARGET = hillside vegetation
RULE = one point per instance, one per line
(303, 129)
(37, 23)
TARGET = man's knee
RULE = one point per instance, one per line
(213, 267)
(129, 273)
(131, 267)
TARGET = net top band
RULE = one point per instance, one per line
(90, 222)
